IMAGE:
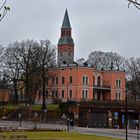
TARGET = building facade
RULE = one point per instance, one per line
(73, 82)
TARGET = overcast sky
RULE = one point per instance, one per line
(106, 25)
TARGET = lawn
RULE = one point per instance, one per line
(34, 107)
(49, 107)
(51, 135)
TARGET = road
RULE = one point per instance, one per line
(115, 133)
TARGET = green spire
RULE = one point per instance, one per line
(66, 22)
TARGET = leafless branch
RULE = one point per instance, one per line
(3, 5)
(3, 10)
(135, 3)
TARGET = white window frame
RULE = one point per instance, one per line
(85, 93)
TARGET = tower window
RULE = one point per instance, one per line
(68, 33)
(63, 33)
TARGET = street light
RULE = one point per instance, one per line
(45, 111)
(19, 116)
(36, 115)
(28, 110)
(68, 124)
(88, 117)
(63, 118)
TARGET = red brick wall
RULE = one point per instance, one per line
(108, 79)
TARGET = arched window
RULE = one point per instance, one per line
(118, 83)
(98, 81)
(63, 33)
(70, 93)
(62, 94)
(93, 80)
(86, 80)
(83, 79)
(56, 80)
(70, 79)
(52, 80)
(63, 80)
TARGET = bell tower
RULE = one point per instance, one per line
(65, 43)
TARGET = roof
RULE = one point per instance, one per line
(66, 22)
(65, 40)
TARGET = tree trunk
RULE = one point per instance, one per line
(43, 92)
(15, 92)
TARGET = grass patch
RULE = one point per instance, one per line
(34, 107)
(49, 107)
(11, 107)
(72, 136)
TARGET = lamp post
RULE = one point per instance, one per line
(45, 120)
(63, 119)
(126, 115)
(68, 124)
(138, 124)
(28, 110)
(19, 116)
(89, 118)
(36, 115)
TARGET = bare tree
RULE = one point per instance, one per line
(99, 59)
(133, 74)
(46, 59)
(95, 58)
(30, 60)
(136, 3)
(80, 61)
(3, 10)
(28, 63)
(10, 68)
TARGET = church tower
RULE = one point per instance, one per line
(65, 43)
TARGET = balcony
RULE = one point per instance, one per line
(103, 87)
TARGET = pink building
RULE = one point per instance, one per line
(71, 81)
